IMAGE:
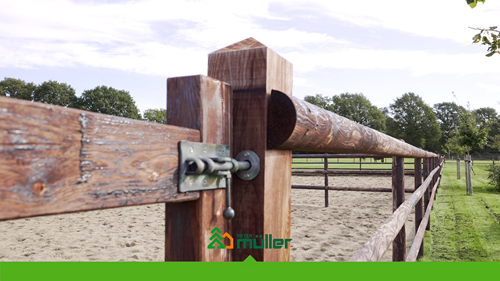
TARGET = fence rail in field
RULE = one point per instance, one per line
(57, 160)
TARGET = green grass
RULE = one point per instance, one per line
(464, 227)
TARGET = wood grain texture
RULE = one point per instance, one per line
(59, 160)
(426, 172)
(295, 124)
(201, 103)
(350, 188)
(418, 207)
(263, 205)
(398, 197)
(379, 242)
(416, 251)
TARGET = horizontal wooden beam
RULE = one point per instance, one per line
(337, 172)
(349, 188)
(294, 124)
(377, 245)
(59, 160)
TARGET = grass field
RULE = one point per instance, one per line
(464, 227)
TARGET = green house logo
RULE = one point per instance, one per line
(216, 238)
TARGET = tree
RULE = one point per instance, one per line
(156, 115)
(16, 88)
(320, 101)
(358, 108)
(448, 117)
(415, 122)
(352, 106)
(55, 93)
(469, 133)
(109, 101)
(487, 36)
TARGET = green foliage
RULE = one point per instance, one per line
(473, 3)
(494, 176)
(16, 88)
(453, 146)
(487, 36)
(469, 133)
(55, 93)
(495, 142)
(448, 117)
(352, 106)
(414, 122)
(109, 101)
(320, 101)
(156, 115)
(358, 108)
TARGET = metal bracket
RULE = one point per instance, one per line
(195, 150)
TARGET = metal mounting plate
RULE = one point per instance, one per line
(200, 150)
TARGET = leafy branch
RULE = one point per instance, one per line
(487, 36)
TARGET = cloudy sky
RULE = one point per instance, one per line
(382, 49)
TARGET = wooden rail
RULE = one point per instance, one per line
(58, 160)
(377, 245)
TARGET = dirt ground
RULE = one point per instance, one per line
(334, 233)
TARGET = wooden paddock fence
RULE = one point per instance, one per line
(56, 160)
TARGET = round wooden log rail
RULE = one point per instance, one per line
(337, 172)
(377, 245)
(367, 189)
(339, 156)
(294, 124)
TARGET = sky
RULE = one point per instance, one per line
(381, 49)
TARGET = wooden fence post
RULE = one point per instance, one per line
(326, 181)
(202, 103)
(418, 207)
(398, 197)
(458, 168)
(427, 195)
(262, 205)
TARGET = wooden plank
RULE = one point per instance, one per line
(295, 124)
(419, 206)
(414, 254)
(58, 160)
(201, 103)
(375, 248)
(427, 194)
(398, 197)
(337, 172)
(262, 205)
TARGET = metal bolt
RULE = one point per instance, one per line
(247, 175)
(204, 182)
(246, 154)
(205, 150)
(191, 182)
(191, 149)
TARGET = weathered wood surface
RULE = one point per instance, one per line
(59, 160)
(262, 205)
(368, 189)
(398, 197)
(416, 251)
(340, 156)
(419, 205)
(295, 124)
(426, 172)
(201, 103)
(379, 242)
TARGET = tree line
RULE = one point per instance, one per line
(445, 127)
(101, 99)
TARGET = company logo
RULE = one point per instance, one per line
(216, 238)
(247, 241)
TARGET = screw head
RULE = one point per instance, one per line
(247, 176)
(205, 150)
(246, 154)
(191, 149)
(191, 182)
(204, 182)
